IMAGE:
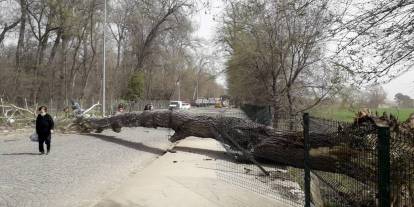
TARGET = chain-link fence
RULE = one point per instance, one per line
(358, 164)
(258, 174)
(139, 105)
(402, 168)
(343, 162)
(259, 114)
(350, 164)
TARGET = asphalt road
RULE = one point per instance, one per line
(79, 171)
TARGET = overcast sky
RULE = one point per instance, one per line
(206, 20)
(403, 84)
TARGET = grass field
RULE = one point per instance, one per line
(344, 114)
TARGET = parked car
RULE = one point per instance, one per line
(175, 105)
(186, 106)
(179, 105)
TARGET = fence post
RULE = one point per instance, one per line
(2, 106)
(384, 166)
(306, 160)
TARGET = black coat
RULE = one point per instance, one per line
(44, 124)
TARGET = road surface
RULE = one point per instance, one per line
(80, 170)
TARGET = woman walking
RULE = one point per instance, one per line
(44, 129)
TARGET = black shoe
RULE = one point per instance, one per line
(47, 152)
(41, 153)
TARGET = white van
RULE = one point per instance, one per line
(186, 106)
(179, 105)
(175, 104)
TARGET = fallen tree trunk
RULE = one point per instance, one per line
(261, 141)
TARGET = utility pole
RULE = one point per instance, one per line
(195, 95)
(179, 95)
(104, 65)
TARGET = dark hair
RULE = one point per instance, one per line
(44, 107)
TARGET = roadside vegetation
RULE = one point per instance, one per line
(348, 114)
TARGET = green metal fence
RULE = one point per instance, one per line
(131, 106)
(262, 175)
(259, 114)
(365, 164)
(345, 164)
(402, 169)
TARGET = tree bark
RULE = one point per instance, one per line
(50, 63)
(20, 44)
(7, 28)
(154, 33)
(75, 65)
(261, 141)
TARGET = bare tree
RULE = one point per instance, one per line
(8, 20)
(375, 39)
(20, 43)
(275, 49)
(58, 52)
(376, 96)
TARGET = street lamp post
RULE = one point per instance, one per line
(179, 95)
(104, 65)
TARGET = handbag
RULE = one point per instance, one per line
(34, 137)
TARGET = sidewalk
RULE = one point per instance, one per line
(184, 179)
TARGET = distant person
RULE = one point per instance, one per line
(77, 110)
(44, 129)
(148, 107)
(120, 109)
(66, 112)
